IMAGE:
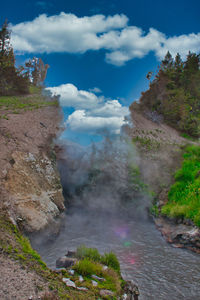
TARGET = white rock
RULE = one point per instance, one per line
(81, 278)
(105, 268)
(71, 272)
(94, 283)
(98, 278)
(69, 282)
(82, 288)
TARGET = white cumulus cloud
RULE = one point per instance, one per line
(64, 33)
(82, 122)
(92, 113)
(68, 33)
(96, 90)
(70, 96)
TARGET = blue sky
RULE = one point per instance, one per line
(109, 45)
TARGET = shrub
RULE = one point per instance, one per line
(110, 259)
(86, 267)
(91, 253)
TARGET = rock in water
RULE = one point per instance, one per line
(131, 291)
(65, 262)
(70, 253)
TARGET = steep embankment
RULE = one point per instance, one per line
(30, 197)
(161, 148)
(31, 191)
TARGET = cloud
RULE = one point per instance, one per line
(71, 34)
(96, 90)
(92, 113)
(81, 122)
(64, 33)
(70, 96)
(181, 44)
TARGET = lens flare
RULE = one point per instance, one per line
(127, 244)
(122, 232)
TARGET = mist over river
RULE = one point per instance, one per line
(107, 210)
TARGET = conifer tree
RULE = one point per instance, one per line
(11, 81)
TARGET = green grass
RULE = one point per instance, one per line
(109, 259)
(184, 195)
(186, 136)
(17, 104)
(91, 253)
(86, 267)
(154, 210)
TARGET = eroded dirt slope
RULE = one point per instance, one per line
(30, 184)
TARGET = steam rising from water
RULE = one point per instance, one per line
(102, 186)
(103, 176)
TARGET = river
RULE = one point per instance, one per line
(161, 271)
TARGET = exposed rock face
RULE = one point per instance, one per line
(30, 184)
(65, 262)
(182, 236)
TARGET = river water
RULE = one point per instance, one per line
(161, 271)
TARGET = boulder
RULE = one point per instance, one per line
(65, 262)
(71, 253)
(131, 291)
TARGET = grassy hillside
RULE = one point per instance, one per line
(184, 194)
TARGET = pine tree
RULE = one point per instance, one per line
(11, 80)
(178, 69)
(168, 62)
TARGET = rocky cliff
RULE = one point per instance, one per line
(30, 185)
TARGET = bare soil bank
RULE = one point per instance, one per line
(160, 149)
(30, 185)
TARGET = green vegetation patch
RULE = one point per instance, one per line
(184, 195)
(86, 267)
(92, 263)
(16, 104)
(92, 254)
(147, 143)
